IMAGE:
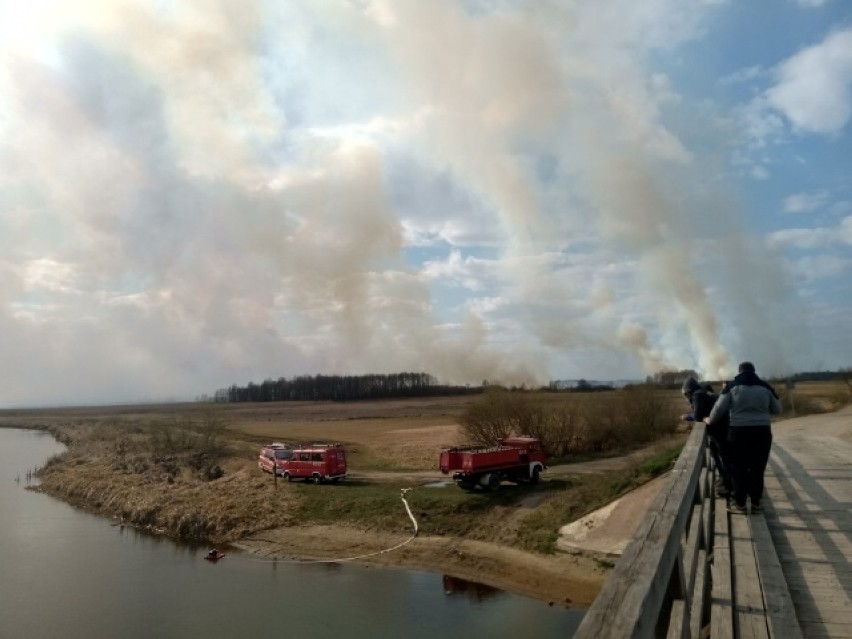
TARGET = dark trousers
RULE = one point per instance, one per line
(749, 453)
(720, 451)
(721, 454)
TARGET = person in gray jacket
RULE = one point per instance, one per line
(749, 401)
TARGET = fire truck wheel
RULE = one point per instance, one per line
(493, 481)
(316, 479)
(288, 477)
(535, 475)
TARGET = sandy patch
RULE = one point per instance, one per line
(608, 530)
(565, 579)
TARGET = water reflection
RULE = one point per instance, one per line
(474, 591)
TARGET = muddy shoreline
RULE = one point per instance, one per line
(563, 579)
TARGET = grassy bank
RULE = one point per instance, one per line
(130, 474)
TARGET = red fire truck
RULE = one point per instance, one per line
(517, 459)
(315, 462)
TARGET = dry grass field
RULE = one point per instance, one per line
(393, 435)
(380, 435)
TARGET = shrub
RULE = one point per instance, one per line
(573, 423)
(492, 417)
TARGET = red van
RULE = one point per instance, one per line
(316, 463)
(272, 455)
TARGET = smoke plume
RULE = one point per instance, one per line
(196, 194)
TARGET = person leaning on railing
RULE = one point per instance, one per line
(702, 399)
(749, 402)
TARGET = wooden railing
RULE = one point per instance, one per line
(660, 586)
(693, 570)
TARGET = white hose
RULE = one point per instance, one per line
(371, 554)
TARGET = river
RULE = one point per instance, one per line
(66, 574)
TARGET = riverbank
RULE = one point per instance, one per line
(79, 577)
(249, 511)
(564, 579)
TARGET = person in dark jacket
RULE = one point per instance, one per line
(699, 399)
(749, 402)
(702, 398)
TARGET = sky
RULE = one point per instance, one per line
(195, 194)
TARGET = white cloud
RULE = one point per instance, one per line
(805, 202)
(817, 267)
(814, 87)
(49, 275)
(813, 238)
(468, 272)
(802, 238)
(760, 172)
(845, 230)
(761, 125)
(743, 76)
(841, 208)
(483, 306)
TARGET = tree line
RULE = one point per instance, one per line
(340, 388)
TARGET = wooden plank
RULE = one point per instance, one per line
(678, 621)
(721, 598)
(694, 543)
(721, 606)
(780, 613)
(749, 612)
(709, 519)
(819, 630)
(699, 615)
(721, 529)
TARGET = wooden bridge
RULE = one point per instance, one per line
(694, 570)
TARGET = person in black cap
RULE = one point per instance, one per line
(749, 402)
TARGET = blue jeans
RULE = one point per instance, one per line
(750, 446)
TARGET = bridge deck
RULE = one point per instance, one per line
(694, 570)
(809, 517)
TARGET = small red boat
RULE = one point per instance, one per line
(214, 555)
